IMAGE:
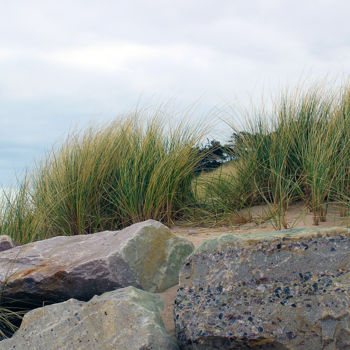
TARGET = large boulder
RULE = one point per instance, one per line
(127, 318)
(281, 290)
(6, 242)
(145, 255)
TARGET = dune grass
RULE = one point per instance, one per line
(299, 151)
(10, 314)
(106, 178)
(17, 217)
(8, 320)
(109, 177)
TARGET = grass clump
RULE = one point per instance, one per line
(106, 178)
(299, 151)
(8, 322)
(128, 171)
(17, 217)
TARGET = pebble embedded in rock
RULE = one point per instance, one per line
(280, 290)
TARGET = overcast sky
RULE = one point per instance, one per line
(65, 63)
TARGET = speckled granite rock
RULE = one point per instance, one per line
(145, 255)
(281, 290)
(6, 242)
(125, 319)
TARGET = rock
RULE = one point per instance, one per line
(145, 255)
(192, 232)
(6, 242)
(281, 290)
(127, 318)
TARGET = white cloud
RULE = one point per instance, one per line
(102, 58)
(67, 61)
(5, 54)
(122, 57)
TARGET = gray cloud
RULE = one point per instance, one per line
(64, 63)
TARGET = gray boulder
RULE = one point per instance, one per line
(127, 318)
(280, 290)
(6, 242)
(145, 255)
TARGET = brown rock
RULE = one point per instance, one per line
(145, 255)
(6, 242)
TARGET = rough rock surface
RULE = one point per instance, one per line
(125, 319)
(145, 255)
(6, 242)
(281, 290)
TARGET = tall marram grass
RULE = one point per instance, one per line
(299, 151)
(106, 178)
(112, 176)
(17, 215)
(342, 123)
(9, 318)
